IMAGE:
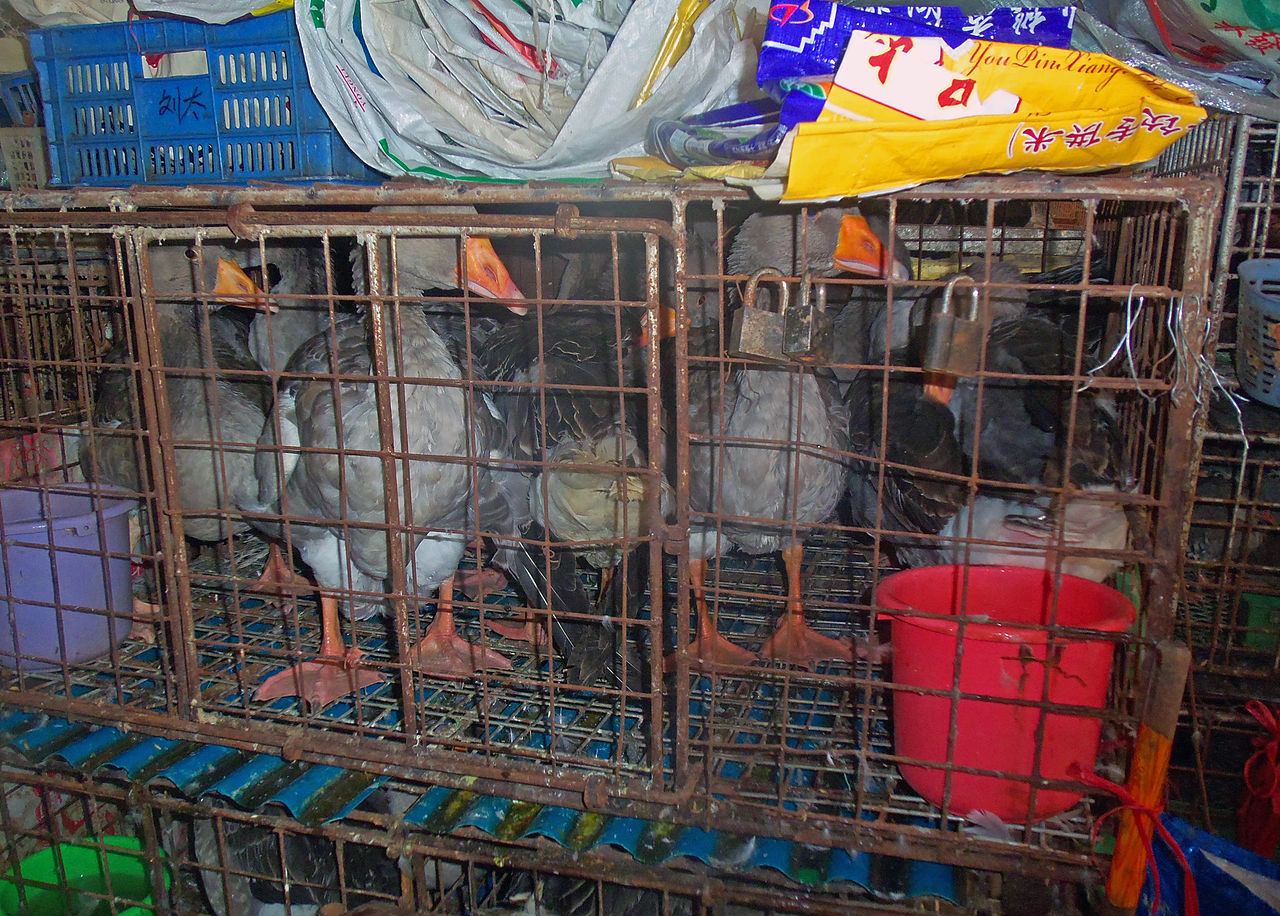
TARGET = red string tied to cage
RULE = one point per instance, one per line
(1146, 819)
(153, 60)
(1258, 820)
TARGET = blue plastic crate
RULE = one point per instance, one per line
(252, 116)
(20, 98)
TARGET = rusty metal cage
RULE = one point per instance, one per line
(1228, 605)
(1214, 741)
(1227, 615)
(802, 749)
(59, 315)
(787, 739)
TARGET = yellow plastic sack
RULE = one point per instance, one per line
(904, 111)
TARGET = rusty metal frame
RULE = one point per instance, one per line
(1241, 232)
(1196, 203)
(179, 225)
(565, 222)
(714, 890)
(144, 214)
(1230, 520)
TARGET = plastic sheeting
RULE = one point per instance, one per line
(315, 794)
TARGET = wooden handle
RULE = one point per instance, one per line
(1147, 772)
(1164, 692)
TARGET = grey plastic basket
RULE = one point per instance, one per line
(1258, 330)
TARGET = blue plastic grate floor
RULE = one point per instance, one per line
(320, 794)
(765, 741)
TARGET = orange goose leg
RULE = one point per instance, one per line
(524, 628)
(333, 674)
(443, 653)
(278, 577)
(795, 642)
(710, 649)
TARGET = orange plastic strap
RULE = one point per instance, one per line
(1146, 817)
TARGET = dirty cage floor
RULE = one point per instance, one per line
(761, 740)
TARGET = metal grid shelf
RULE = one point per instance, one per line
(509, 712)
(768, 739)
(770, 744)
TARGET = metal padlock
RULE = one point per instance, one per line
(955, 341)
(756, 333)
(807, 331)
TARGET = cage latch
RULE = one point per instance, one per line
(757, 333)
(954, 344)
(807, 326)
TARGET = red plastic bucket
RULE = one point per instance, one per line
(1003, 658)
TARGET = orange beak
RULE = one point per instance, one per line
(488, 276)
(938, 386)
(234, 286)
(667, 326)
(859, 250)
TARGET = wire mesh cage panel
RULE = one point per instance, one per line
(1229, 583)
(1206, 149)
(1058, 446)
(421, 489)
(1214, 743)
(58, 316)
(1228, 605)
(335, 388)
(78, 845)
(1249, 163)
(1231, 564)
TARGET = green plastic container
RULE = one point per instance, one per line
(1262, 617)
(130, 881)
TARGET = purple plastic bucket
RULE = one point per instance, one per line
(54, 567)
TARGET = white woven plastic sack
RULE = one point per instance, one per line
(46, 13)
(413, 88)
(214, 11)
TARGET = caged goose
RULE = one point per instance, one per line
(217, 400)
(766, 457)
(335, 501)
(584, 432)
(1009, 428)
(292, 277)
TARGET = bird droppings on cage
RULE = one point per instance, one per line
(593, 514)
(393, 844)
